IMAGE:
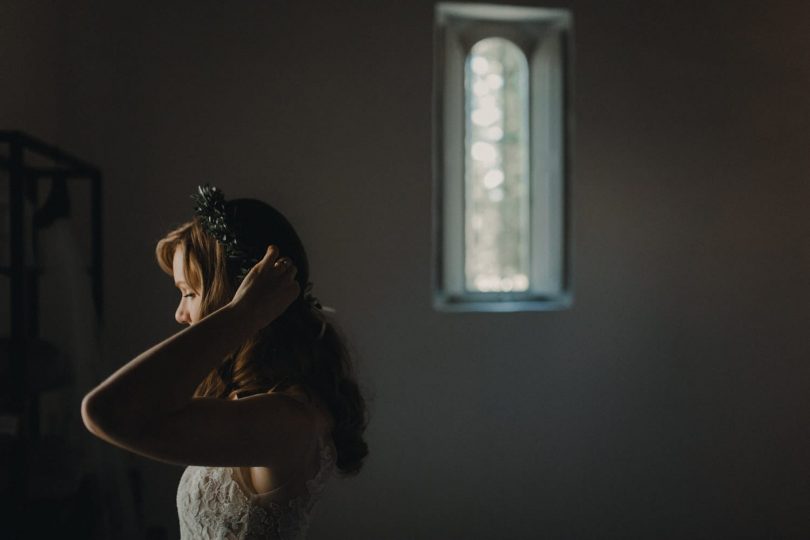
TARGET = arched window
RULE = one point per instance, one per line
(496, 172)
(501, 158)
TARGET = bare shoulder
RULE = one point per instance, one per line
(319, 407)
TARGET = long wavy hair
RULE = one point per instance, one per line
(302, 347)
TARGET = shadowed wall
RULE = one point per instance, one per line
(671, 401)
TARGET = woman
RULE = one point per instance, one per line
(256, 395)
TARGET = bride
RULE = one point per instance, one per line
(257, 396)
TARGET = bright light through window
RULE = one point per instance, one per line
(496, 210)
(501, 154)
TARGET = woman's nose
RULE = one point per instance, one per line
(181, 315)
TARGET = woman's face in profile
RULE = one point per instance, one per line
(188, 312)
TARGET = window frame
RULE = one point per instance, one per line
(544, 36)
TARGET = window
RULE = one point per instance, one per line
(501, 140)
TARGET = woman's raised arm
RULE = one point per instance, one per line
(161, 381)
(157, 386)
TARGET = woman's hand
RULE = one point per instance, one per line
(268, 289)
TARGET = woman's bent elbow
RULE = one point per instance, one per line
(91, 414)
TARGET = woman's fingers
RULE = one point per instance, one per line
(280, 264)
(283, 263)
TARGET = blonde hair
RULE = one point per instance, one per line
(302, 347)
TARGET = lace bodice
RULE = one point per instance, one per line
(212, 503)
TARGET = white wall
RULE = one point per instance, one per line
(670, 402)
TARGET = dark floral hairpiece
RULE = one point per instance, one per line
(215, 220)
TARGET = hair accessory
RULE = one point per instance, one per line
(313, 300)
(215, 220)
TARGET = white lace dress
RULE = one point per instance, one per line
(217, 503)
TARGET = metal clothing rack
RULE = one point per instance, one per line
(21, 157)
